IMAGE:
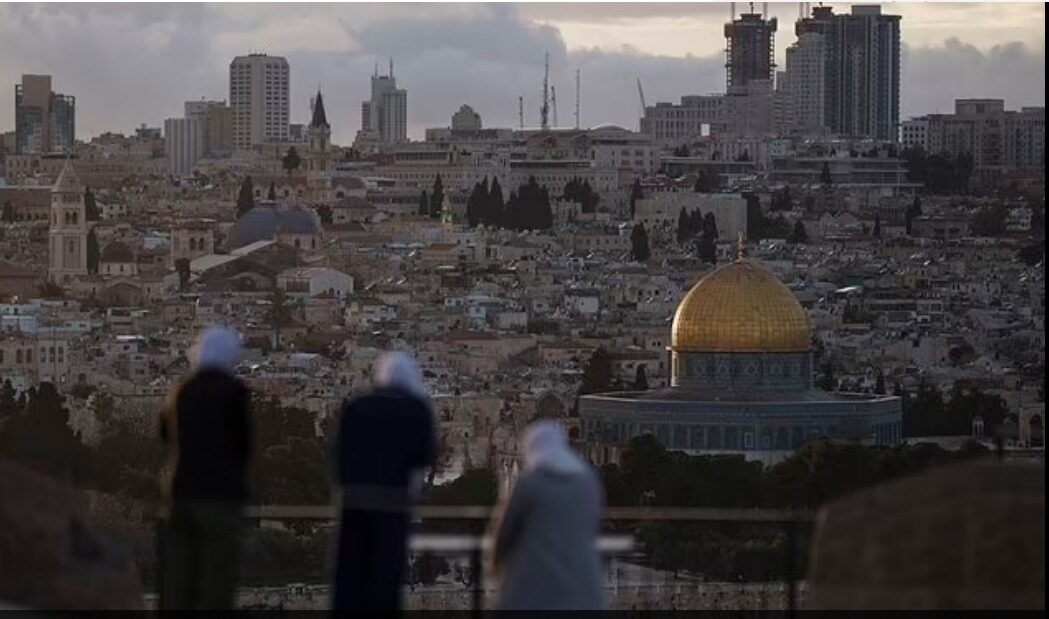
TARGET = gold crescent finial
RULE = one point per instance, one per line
(740, 248)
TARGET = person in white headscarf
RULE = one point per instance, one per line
(386, 438)
(217, 348)
(206, 425)
(545, 551)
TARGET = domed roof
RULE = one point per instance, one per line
(740, 307)
(264, 223)
(117, 251)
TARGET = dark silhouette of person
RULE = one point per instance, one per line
(207, 428)
(385, 440)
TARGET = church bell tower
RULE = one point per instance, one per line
(68, 230)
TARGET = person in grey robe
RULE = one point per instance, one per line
(545, 549)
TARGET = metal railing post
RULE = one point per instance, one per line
(792, 561)
(478, 581)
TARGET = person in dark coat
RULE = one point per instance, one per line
(206, 426)
(545, 551)
(385, 440)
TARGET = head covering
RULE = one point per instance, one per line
(546, 448)
(398, 370)
(218, 347)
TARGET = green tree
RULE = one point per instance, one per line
(825, 175)
(707, 249)
(683, 227)
(877, 225)
(93, 255)
(493, 207)
(182, 268)
(424, 203)
(826, 380)
(9, 406)
(90, 206)
(51, 290)
(879, 383)
(279, 314)
(473, 487)
(324, 214)
(475, 205)
(291, 160)
(640, 378)
(989, 221)
(800, 235)
(271, 195)
(636, 193)
(782, 200)
(706, 182)
(1032, 254)
(710, 226)
(437, 198)
(597, 376)
(40, 437)
(245, 197)
(639, 249)
(7, 213)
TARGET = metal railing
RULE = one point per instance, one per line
(473, 545)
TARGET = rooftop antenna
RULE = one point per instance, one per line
(641, 95)
(520, 110)
(577, 98)
(553, 103)
(391, 66)
(544, 111)
(376, 69)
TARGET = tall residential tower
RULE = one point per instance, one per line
(750, 49)
(258, 96)
(861, 69)
(385, 115)
(45, 121)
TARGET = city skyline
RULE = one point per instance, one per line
(444, 66)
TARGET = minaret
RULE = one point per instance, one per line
(68, 232)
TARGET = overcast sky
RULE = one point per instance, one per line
(131, 64)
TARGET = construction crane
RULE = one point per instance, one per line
(553, 103)
(641, 95)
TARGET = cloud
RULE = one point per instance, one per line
(132, 64)
(933, 77)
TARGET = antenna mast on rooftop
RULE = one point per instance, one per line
(577, 98)
(520, 111)
(553, 103)
(544, 111)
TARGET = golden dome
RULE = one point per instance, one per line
(740, 307)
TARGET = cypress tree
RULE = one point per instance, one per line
(246, 197)
(639, 249)
(495, 204)
(437, 198)
(710, 226)
(424, 203)
(682, 227)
